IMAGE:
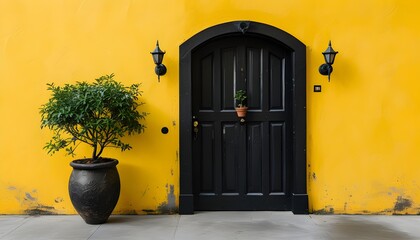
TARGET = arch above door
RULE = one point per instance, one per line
(299, 197)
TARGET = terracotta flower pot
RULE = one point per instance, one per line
(241, 111)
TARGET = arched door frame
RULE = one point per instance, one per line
(298, 49)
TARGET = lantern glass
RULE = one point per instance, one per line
(157, 55)
(329, 55)
(329, 58)
(158, 58)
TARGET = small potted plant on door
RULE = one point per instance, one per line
(241, 109)
(98, 114)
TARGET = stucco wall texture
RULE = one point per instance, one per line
(362, 129)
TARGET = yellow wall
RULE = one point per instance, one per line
(363, 132)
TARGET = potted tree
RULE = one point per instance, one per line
(98, 114)
(241, 108)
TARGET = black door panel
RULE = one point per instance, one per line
(242, 166)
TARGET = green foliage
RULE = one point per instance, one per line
(98, 114)
(240, 97)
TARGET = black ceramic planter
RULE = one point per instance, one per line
(94, 189)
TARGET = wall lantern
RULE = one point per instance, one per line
(329, 56)
(158, 54)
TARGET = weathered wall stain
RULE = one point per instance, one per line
(401, 206)
(331, 210)
(402, 203)
(41, 210)
(169, 206)
(126, 212)
(326, 210)
(384, 212)
(29, 197)
(166, 207)
(149, 211)
(29, 202)
(145, 191)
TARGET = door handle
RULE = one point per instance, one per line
(195, 127)
(195, 121)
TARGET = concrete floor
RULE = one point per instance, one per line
(214, 226)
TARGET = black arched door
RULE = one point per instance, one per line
(259, 164)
